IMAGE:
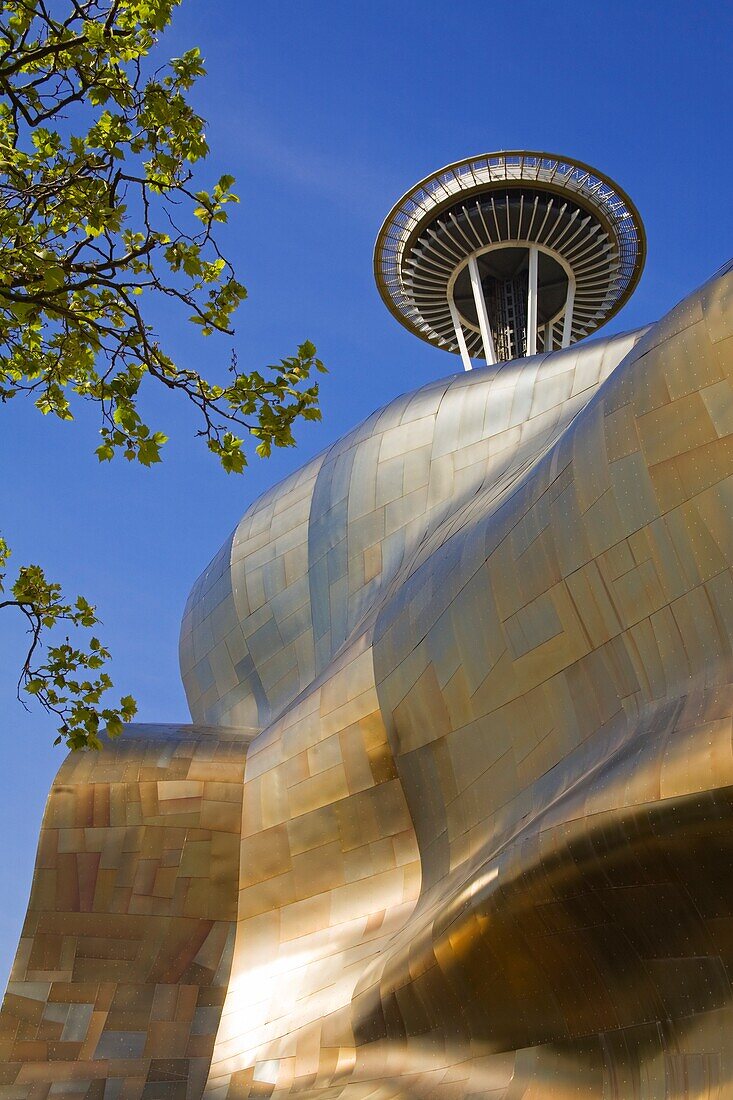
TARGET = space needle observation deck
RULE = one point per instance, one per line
(507, 254)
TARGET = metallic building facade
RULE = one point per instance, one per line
(455, 818)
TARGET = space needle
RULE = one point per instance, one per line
(506, 254)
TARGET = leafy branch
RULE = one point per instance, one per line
(100, 218)
(68, 682)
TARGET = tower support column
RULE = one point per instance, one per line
(460, 337)
(567, 327)
(532, 302)
(483, 316)
(548, 336)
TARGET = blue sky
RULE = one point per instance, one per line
(326, 113)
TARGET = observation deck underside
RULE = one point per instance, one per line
(499, 256)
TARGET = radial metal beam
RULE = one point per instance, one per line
(460, 337)
(483, 316)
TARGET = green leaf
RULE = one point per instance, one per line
(114, 726)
